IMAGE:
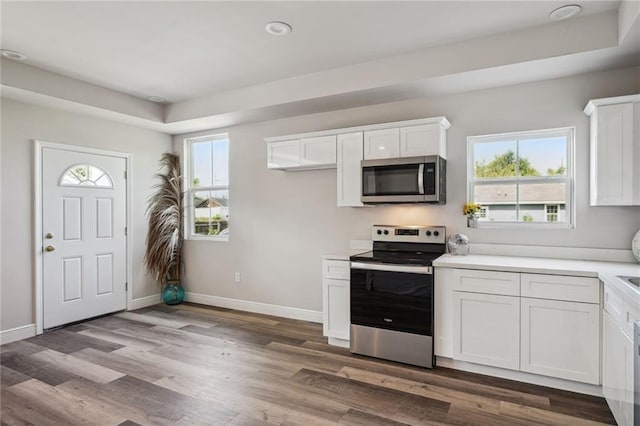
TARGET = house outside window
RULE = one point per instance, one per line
(207, 187)
(522, 179)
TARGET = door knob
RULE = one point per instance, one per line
(48, 235)
(49, 248)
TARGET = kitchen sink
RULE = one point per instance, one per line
(631, 280)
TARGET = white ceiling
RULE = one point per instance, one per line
(186, 50)
(217, 66)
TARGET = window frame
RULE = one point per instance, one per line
(568, 179)
(189, 189)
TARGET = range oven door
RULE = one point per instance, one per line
(392, 297)
(392, 312)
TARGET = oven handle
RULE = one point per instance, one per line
(424, 270)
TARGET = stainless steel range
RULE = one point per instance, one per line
(392, 294)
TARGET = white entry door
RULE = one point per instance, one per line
(84, 245)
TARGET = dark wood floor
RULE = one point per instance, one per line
(192, 365)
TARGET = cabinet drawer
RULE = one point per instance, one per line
(490, 282)
(560, 287)
(336, 269)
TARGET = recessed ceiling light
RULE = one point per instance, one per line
(12, 54)
(157, 99)
(278, 28)
(565, 12)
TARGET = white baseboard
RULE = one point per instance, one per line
(256, 307)
(143, 302)
(520, 376)
(18, 333)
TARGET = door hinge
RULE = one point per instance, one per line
(126, 232)
(125, 174)
(126, 286)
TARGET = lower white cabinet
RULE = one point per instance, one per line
(494, 323)
(487, 329)
(560, 339)
(617, 371)
(336, 310)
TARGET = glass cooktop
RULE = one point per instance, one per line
(397, 257)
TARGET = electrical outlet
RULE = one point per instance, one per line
(236, 278)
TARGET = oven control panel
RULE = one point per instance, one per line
(409, 234)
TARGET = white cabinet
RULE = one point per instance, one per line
(350, 154)
(427, 139)
(283, 155)
(487, 329)
(617, 371)
(561, 339)
(536, 323)
(336, 302)
(302, 154)
(384, 143)
(615, 150)
(318, 152)
(620, 312)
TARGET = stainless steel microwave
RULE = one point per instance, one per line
(405, 180)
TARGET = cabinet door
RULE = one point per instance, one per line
(282, 155)
(383, 143)
(561, 339)
(318, 151)
(613, 156)
(350, 154)
(487, 329)
(336, 310)
(617, 371)
(428, 139)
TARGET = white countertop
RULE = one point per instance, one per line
(606, 271)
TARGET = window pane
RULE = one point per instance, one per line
(211, 212)
(536, 199)
(499, 202)
(544, 156)
(494, 159)
(86, 175)
(210, 163)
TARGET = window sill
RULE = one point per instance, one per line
(223, 239)
(523, 225)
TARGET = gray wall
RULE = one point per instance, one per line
(21, 124)
(282, 222)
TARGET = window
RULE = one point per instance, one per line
(86, 175)
(207, 187)
(522, 179)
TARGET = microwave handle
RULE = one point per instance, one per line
(421, 179)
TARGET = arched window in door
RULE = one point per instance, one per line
(86, 175)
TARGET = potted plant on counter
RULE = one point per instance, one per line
(471, 210)
(163, 256)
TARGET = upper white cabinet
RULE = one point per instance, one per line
(350, 154)
(283, 155)
(305, 153)
(615, 150)
(427, 139)
(318, 152)
(384, 143)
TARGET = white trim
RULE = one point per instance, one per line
(143, 302)
(440, 120)
(188, 189)
(18, 333)
(568, 179)
(37, 217)
(256, 307)
(593, 103)
(520, 376)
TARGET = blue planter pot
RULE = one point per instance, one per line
(173, 293)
